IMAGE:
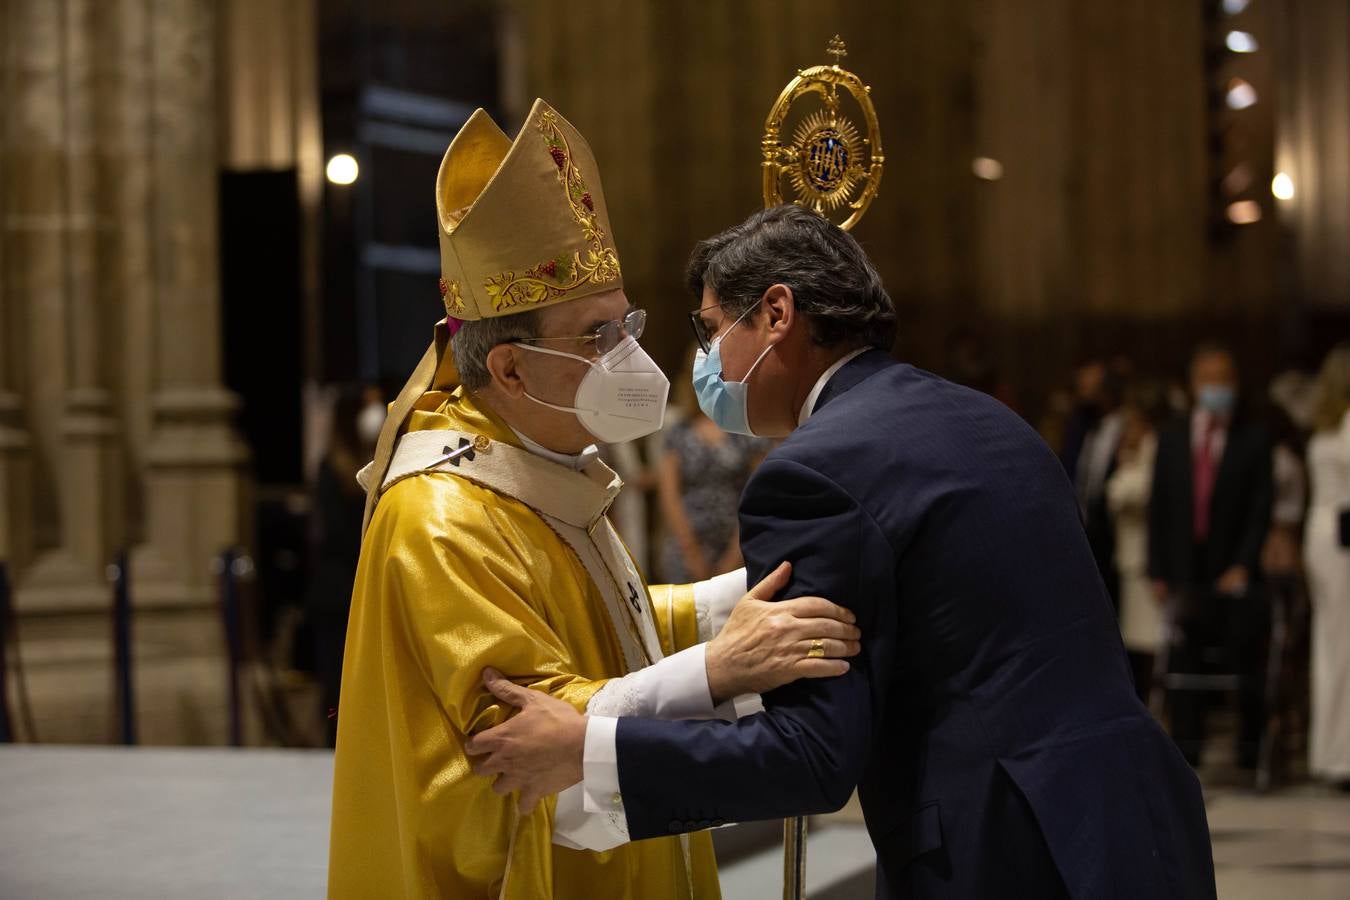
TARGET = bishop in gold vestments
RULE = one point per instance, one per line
(482, 551)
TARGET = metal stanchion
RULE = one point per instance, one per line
(794, 858)
(6, 731)
(1280, 591)
(228, 566)
(126, 701)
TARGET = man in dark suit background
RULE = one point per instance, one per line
(989, 724)
(1208, 518)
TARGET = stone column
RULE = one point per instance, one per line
(110, 339)
(50, 227)
(16, 506)
(194, 480)
(124, 151)
(54, 314)
(91, 484)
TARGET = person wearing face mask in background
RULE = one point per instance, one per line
(990, 725)
(1209, 512)
(487, 545)
(336, 506)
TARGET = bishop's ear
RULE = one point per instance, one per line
(502, 364)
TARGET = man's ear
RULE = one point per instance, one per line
(502, 365)
(781, 309)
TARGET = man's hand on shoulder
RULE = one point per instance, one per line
(538, 751)
(767, 644)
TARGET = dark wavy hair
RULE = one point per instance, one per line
(832, 280)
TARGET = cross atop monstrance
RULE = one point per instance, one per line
(836, 49)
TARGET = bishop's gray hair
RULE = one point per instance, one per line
(475, 340)
(832, 280)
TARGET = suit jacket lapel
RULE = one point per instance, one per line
(1224, 470)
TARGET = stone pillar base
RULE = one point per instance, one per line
(73, 577)
(179, 668)
(58, 582)
(16, 494)
(91, 481)
(196, 494)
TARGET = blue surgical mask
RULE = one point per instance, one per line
(1217, 399)
(727, 403)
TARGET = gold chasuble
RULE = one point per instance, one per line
(477, 552)
(467, 577)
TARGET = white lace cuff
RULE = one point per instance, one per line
(714, 600)
(672, 688)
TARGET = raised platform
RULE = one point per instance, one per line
(146, 822)
(115, 823)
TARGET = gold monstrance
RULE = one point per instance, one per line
(828, 166)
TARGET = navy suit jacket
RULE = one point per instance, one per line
(990, 724)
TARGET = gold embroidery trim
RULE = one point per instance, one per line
(451, 297)
(557, 277)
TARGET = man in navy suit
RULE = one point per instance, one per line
(989, 724)
(1208, 518)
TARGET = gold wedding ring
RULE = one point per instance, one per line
(817, 650)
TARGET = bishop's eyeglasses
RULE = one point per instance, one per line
(607, 336)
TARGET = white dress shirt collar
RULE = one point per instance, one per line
(810, 405)
(576, 462)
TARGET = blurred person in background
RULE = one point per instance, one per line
(1327, 558)
(1092, 440)
(1209, 513)
(1127, 497)
(1085, 412)
(1178, 398)
(336, 509)
(1054, 423)
(700, 478)
(630, 512)
(1281, 554)
(1294, 391)
(1282, 571)
(968, 362)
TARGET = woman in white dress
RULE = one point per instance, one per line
(1127, 496)
(1328, 570)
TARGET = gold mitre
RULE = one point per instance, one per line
(523, 224)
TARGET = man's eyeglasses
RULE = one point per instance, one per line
(702, 333)
(607, 336)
